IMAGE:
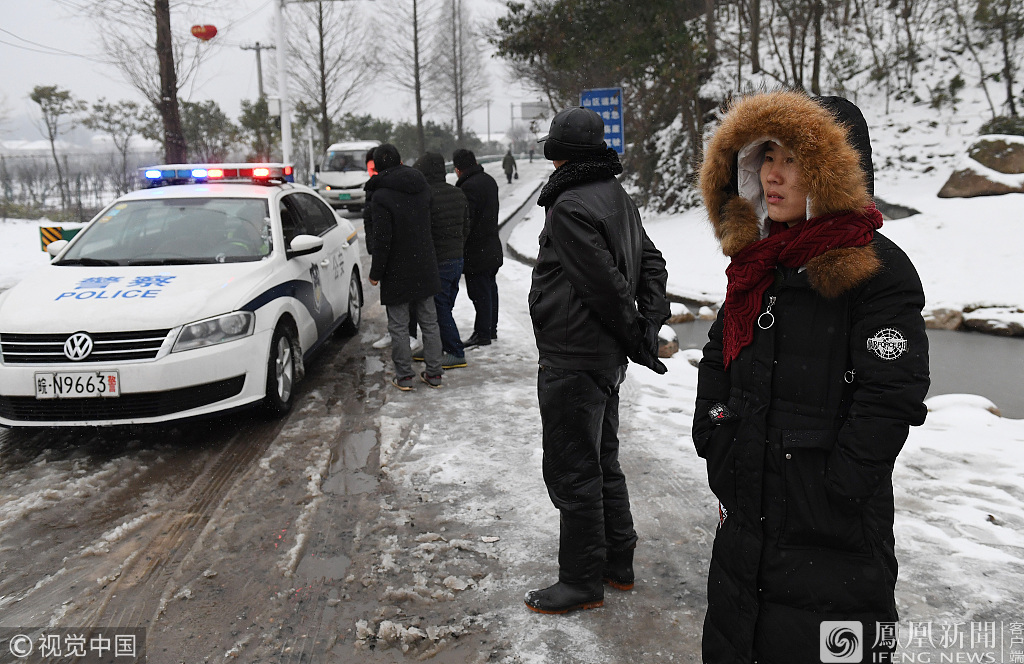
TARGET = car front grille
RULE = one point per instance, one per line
(126, 406)
(110, 347)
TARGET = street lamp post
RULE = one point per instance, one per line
(282, 83)
(282, 78)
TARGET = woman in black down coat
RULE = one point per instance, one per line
(813, 373)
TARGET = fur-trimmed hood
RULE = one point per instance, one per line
(821, 133)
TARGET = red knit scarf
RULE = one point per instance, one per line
(751, 270)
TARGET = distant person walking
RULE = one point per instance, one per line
(509, 165)
(404, 263)
(483, 255)
(449, 219)
(812, 376)
(598, 297)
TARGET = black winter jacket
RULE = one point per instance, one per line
(819, 406)
(449, 210)
(403, 252)
(597, 272)
(483, 247)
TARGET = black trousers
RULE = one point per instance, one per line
(482, 288)
(579, 412)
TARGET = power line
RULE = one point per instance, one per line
(49, 50)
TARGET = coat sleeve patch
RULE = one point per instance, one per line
(888, 344)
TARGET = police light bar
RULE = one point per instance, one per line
(170, 174)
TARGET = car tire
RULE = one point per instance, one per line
(281, 371)
(355, 307)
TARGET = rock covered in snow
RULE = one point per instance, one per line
(994, 165)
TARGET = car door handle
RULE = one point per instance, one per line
(325, 262)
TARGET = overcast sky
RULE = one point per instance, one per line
(45, 42)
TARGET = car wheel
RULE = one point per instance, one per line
(355, 307)
(281, 371)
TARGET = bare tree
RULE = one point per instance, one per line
(403, 59)
(156, 57)
(121, 121)
(458, 74)
(331, 56)
(59, 110)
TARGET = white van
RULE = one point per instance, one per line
(342, 174)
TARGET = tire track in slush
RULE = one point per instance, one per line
(135, 598)
(309, 644)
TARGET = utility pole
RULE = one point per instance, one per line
(259, 62)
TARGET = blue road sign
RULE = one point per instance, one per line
(607, 102)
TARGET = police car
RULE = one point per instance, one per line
(205, 291)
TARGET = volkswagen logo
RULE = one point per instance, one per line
(78, 346)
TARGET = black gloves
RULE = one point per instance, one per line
(645, 347)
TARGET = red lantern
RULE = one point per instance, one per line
(204, 32)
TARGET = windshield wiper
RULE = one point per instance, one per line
(88, 261)
(171, 261)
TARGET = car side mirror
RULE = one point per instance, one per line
(301, 245)
(56, 247)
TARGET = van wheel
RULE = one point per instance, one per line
(355, 307)
(280, 372)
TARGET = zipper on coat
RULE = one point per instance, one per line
(767, 318)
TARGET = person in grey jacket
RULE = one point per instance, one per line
(597, 298)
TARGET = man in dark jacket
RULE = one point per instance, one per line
(483, 254)
(403, 262)
(508, 164)
(449, 219)
(598, 297)
(811, 378)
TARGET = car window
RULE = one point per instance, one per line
(344, 160)
(176, 231)
(317, 217)
(291, 220)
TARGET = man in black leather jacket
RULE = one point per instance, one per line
(597, 298)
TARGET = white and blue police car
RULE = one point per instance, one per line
(204, 292)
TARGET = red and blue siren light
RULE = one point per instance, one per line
(170, 174)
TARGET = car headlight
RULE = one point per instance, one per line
(215, 330)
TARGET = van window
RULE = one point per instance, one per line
(344, 160)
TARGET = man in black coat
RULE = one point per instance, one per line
(449, 219)
(598, 297)
(404, 262)
(483, 255)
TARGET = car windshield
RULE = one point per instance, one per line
(344, 160)
(177, 231)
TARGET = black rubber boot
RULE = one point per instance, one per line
(563, 598)
(618, 569)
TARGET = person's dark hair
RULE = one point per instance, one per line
(386, 156)
(463, 159)
(369, 155)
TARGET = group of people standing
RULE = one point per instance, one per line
(423, 235)
(812, 375)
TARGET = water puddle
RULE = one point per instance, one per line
(349, 474)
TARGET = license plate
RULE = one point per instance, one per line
(344, 197)
(77, 385)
